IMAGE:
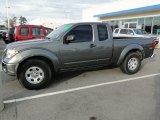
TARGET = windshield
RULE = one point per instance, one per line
(57, 32)
(139, 31)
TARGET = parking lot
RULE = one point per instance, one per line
(100, 94)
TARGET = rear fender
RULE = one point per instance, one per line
(128, 49)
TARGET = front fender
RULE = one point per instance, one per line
(25, 54)
(128, 49)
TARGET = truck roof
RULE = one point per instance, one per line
(87, 23)
(33, 26)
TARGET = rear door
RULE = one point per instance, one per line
(105, 44)
(37, 33)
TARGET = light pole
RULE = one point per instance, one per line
(7, 13)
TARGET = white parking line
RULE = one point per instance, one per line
(77, 89)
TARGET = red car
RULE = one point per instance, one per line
(29, 32)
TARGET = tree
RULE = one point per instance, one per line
(22, 20)
(12, 22)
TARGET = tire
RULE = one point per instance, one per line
(35, 74)
(131, 63)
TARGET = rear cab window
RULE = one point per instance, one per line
(102, 32)
(116, 31)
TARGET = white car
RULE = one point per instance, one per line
(131, 32)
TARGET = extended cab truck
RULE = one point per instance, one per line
(73, 47)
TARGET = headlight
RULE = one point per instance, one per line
(11, 52)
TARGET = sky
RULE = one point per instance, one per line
(32, 9)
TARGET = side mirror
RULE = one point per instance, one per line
(70, 38)
(131, 33)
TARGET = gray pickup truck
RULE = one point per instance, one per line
(73, 47)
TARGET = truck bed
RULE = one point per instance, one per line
(121, 43)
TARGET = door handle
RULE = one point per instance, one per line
(92, 45)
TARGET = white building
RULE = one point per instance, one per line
(50, 22)
(143, 14)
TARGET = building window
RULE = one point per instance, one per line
(114, 24)
(141, 23)
(148, 24)
(156, 24)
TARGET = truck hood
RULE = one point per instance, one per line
(29, 43)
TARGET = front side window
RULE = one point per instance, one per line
(82, 33)
(130, 32)
(123, 31)
(24, 31)
(102, 32)
(139, 31)
(37, 32)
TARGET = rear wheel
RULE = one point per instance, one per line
(131, 64)
(35, 74)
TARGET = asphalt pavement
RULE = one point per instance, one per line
(99, 94)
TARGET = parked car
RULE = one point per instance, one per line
(130, 32)
(8, 36)
(1, 33)
(29, 32)
(5, 36)
(73, 47)
(133, 32)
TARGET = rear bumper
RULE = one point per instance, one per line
(10, 69)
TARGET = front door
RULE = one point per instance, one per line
(82, 51)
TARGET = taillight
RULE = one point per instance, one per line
(153, 44)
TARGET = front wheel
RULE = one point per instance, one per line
(131, 64)
(35, 74)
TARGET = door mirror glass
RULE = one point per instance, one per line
(70, 38)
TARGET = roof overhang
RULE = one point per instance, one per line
(130, 11)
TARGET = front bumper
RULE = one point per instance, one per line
(10, 69)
